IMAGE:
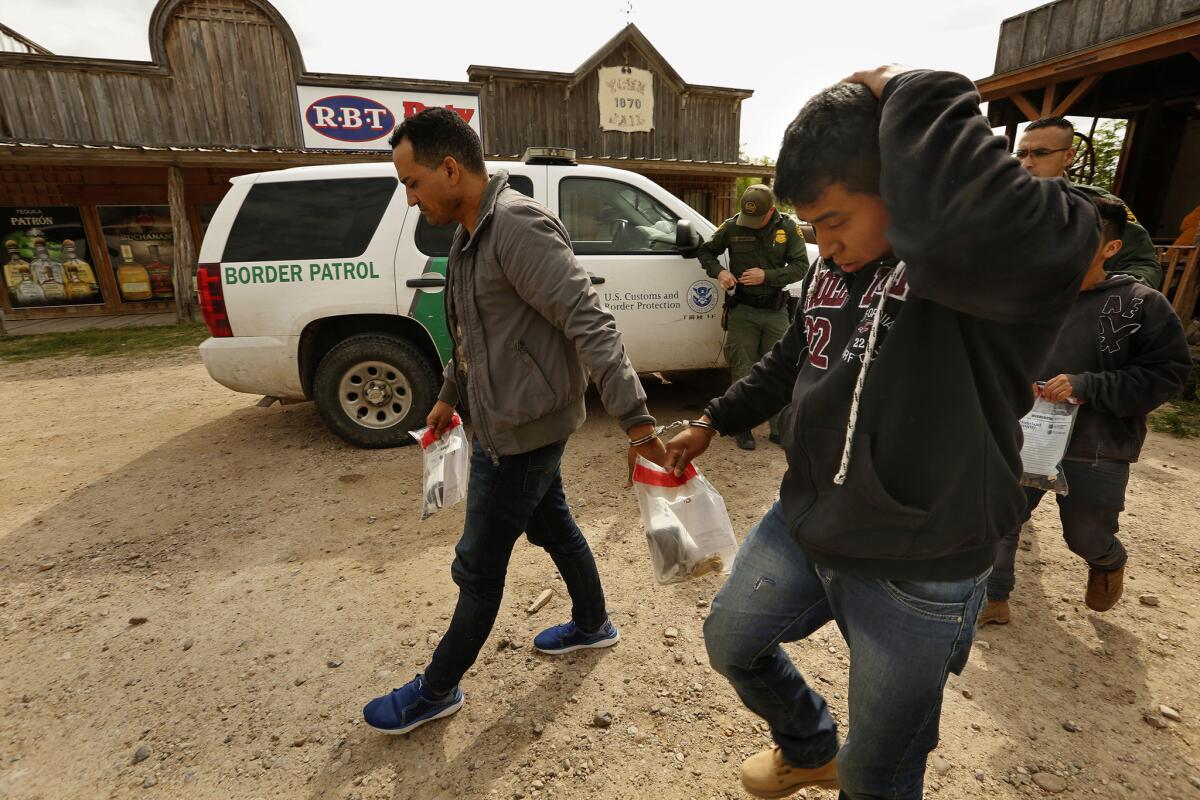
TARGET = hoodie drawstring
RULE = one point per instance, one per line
(868, 354)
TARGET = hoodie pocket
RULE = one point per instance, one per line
(861, 518)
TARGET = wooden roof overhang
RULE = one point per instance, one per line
(1055, 86)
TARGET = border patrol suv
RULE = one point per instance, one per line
(321, 283)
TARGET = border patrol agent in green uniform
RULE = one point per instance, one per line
(1047, 150)
(766, 253)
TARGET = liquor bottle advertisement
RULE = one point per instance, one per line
(47, 261)
(141, 249)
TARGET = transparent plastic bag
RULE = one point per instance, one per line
(686, 523)
(1047, 431)
(447, 463)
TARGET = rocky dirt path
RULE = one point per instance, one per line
(197, 596)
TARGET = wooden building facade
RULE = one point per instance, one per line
(1128, 59)
(691, 147)
(127, 160)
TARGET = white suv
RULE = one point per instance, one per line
(321, 283)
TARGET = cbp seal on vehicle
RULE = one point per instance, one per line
(702, 297)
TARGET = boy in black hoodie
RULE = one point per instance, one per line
(1120, 354)
(945, 272)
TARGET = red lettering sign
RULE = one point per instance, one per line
(413, 107)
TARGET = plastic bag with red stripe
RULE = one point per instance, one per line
(447, 463)
(687, 527)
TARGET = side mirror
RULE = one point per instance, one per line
(687, 239)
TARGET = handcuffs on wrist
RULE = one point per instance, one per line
(659, 430)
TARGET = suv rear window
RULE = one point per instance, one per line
(308, 219)
(435, 240)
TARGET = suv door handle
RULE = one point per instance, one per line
(596, 279)
(425, 283)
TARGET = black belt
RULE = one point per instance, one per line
(770, 302)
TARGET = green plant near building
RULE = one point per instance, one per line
(1107, 142)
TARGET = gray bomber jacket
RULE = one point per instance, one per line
(528, 329)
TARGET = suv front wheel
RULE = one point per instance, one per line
(372, 389)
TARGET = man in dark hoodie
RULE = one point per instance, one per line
(1120, 355)
(945, 272)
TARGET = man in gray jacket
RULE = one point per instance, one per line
(528, 330)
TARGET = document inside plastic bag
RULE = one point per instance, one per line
(447, 463)
(1047, 431)
(687, 526)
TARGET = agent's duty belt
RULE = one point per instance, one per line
(770, 302)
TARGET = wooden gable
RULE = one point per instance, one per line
(524, 108)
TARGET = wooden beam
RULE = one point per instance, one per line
(1185, 292)
(1106, 57)
(1025, 107)
(1072, 98)
(1048, 100)
(185, 251)
(262, 160)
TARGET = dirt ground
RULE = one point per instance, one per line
(197, 596)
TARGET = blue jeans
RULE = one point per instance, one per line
(904, 639)
(521, 494)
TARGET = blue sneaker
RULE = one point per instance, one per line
(410, 707)
(565, 638)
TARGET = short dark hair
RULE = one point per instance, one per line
(1113, 216)
(1051, 122)
(439, 132)
(834, 139)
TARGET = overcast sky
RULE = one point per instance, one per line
(783, 51)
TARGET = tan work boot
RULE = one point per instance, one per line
(1104, 588)
(766, 774)
(994, 613)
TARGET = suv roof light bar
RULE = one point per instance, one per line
(562, 156)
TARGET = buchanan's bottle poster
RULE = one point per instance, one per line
(141, 248)
(47, 261)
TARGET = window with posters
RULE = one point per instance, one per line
(141, 249)
(46, 258)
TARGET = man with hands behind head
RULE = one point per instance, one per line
(945, 273)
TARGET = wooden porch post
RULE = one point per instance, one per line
(185, 250)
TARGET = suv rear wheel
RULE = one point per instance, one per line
(372, 389)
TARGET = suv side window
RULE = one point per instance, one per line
(333, 218)
(608, 217)
(435, 240)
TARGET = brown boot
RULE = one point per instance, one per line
(766, 774)
(994, 613)
(1104, 588)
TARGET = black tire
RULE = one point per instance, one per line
(398, 387)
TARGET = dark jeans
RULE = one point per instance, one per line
(904, 638)
(1095, 499)
(521, 494)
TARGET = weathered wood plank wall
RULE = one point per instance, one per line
(520, 112)
(1069, 25)
(229, 80)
